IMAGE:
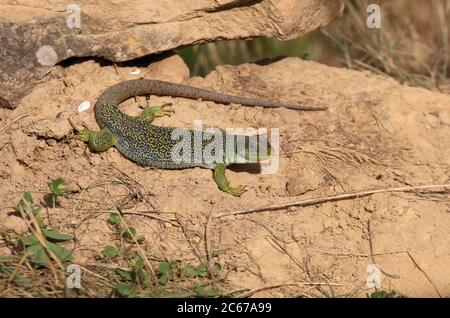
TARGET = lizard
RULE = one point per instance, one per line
(139, 140)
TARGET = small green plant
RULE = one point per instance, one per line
(39, 245)
(128, 233)
(111, 251)
(138, 282)
(134, 280)
(182, 271)
(170, 278)
(165, 271)
(57, 189)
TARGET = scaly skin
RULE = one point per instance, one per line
(153, 146)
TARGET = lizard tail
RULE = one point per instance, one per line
(124, 90)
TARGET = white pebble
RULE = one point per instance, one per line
(84, 106)
(47, 56)
(135, 71)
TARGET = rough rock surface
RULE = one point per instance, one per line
(35, 35)
(376, 134)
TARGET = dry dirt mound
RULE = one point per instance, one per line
(376, 134)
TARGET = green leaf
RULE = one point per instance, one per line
(27, 197)
(130, 235)
(114, 219)
(201, 269)
(138, 264)
(188, 271)
(164, 279)
(111, 251)
(56, 236)
(193, 271)
(56, 187)
(29, 240)
(26, 203)
(62, 253)
(165, 270)
(124, 274)
(127, 290)
(37, 255)
(144, 277)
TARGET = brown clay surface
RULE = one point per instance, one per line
(376, 134)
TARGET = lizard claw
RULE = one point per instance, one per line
(150, 113)
(160, 111)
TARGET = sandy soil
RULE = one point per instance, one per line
(376, 134)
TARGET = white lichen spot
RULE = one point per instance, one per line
(74, 19)
(46, 55)
(84, 106)
(135, 71)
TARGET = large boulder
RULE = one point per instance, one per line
(35, 35)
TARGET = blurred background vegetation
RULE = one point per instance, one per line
(411, 46)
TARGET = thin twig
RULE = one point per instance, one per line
(336, 197)
(424, 273)
(12, 121)
(155, 217)
(359, 254)
(252, 292)
(105, 280)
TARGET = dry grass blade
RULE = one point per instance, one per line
(11, 122)
(411, 45)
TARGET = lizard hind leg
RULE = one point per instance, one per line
(223, 183)
(150, 113)
(98, 140)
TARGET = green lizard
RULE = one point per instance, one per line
(149, 145)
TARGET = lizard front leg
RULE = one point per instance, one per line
(150, 113)
(223, 183)
(98, 140)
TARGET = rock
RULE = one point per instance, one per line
(299, 183)
(14, 224)
(38, 35)
(50, 128)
